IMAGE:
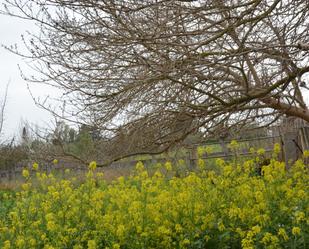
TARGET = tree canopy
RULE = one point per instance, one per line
(148, 73)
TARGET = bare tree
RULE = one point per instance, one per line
(148, 73)
(3, 102)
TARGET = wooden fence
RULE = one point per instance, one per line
(293, 143)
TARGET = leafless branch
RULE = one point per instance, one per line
(148, 73)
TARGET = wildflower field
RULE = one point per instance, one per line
(233, 206)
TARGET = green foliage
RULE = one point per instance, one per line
(83, 145)
(7, 202)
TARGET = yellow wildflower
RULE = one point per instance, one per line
(277, 148)
(35, 166)
(200, 151)
(296, 231)
(168, 166)
(256, 229)
(7, 244)
(267, 238)
(300, 216)
(178, 228)
(32, 242)
(116, 246)
(51, 226)
(201, 164)
(20, 242)
(282, 233)
(91, 244)
(92, 165)
(306, 153)
(25, 173)
(233, 145)
(260, 151)
(185, 243)
(139, 166)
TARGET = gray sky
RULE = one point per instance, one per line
(20, 105)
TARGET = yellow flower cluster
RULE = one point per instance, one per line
(201, 150)
(231, 208)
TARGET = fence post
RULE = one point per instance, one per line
(290, 148)
(304, 138)
(193, 156)
(224, 147)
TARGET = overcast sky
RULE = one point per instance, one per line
(20, 105)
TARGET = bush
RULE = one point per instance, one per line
(10, 156)
(231, 208)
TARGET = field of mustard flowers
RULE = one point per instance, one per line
(230, 207)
